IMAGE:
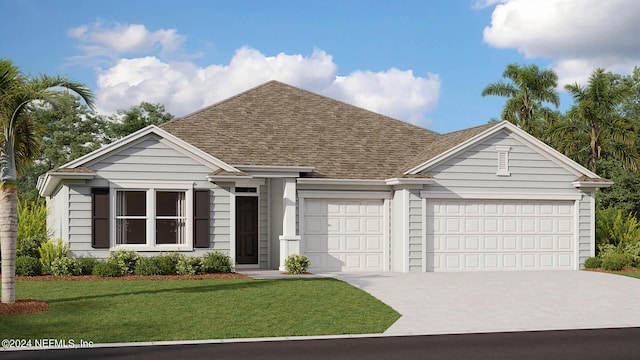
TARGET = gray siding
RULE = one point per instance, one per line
(151, 159)
(415, 231)
(263, 237)
(584, 228)
(474, 170)
(220, 219)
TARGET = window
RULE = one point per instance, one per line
(131, 217)
(170, 217)
(503, 160)
(155, 218)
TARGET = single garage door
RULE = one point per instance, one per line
(471, 235)
(343, 235)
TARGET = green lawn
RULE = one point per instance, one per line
(151, 310)
(630, 274)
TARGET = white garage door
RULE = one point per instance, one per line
(343, 235)
(464, 235)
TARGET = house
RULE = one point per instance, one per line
(278, 170)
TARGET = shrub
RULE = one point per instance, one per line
(189, 265)
(593, 263)
(28, 246)
(107, 269)
(64, 266)
(126, 259)
(297, 264)
(86, 265)
(615, 228)
(614, 261)
(49, 251)
(28, 266)
(32, 227)
(156, 265)
(216, 262)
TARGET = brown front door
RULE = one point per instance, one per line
(246, 230)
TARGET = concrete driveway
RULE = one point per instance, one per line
(448, 303)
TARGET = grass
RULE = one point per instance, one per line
(630, 274)
(154, 310)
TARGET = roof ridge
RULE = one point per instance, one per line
(222, 101)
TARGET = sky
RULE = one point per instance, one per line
(424, 62)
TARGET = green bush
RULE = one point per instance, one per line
(28, 266)
(189, 265)
(28, 246)
(216, 262)
(614, 261)
(64, 266)
(49, 251)
(32, 228)
(297, 264)
(593, 263)
(86, 265)
(126, 259)
(156, 265)
(615, 228)
(107, 269)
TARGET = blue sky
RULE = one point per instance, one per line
(424, 62)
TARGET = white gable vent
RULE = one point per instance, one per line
(503, 160)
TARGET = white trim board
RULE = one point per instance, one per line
(500, 196)
(344, 194)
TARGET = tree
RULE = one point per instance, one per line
(20, 140)
(137, 117)
(71, 130)
(595, 127)
(528, 89)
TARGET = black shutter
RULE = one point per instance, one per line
(100, 218)
(201, 203)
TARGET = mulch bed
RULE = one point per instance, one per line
(31, 306)
(627, 269)
(131, 277)
(23, 306)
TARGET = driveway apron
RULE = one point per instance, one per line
(476, 302)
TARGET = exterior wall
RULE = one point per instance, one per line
(415, 231)
(474, 171)
(149, 159)
(586, 228)
(399, 240)
(263, 219)
(152, 160)
(275, 218)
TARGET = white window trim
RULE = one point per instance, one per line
(503, 160)
(151, 189)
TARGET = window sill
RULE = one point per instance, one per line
(143, 248)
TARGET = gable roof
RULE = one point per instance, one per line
(470, 137)
(276, 124)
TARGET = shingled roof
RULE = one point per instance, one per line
(276, 124)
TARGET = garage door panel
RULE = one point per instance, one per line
(353, 232)
(499, 235)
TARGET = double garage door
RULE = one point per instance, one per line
(343, 235)
(476, 235)
(461, 235)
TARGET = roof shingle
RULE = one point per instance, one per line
(276, 124)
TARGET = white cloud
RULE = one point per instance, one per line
(100, 41)
(579, 35)
(184, 87)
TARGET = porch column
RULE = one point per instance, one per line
(289, 241)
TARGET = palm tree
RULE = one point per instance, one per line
(528, 89)
(20, 141)
(595, 126)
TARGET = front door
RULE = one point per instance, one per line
(246, 230)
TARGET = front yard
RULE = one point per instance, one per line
(155, 310)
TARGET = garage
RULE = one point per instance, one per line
(477, 235)
(343, 234)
